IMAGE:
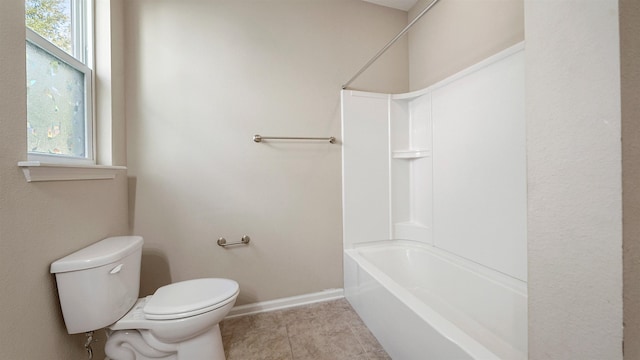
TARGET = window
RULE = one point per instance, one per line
(59, 81)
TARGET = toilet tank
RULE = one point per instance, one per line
(98, 284)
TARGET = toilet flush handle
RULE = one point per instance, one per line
(116, 269)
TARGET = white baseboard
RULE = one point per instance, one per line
(284, 303)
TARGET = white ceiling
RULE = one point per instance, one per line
(396, 4)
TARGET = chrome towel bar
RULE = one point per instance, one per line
(259, 138)
(244, 241)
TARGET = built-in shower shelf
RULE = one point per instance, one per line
(411, 154)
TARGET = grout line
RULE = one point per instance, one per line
(358, 339)
(286, 326)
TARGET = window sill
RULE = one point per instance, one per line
(39, 171)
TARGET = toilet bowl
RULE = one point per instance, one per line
(98, 288)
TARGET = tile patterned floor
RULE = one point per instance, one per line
(323, 331)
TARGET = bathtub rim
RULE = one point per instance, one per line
(517, 285)
(468, 344)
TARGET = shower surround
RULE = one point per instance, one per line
(434, 206)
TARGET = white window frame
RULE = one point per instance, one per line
(82, 60)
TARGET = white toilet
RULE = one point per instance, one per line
(98, 287)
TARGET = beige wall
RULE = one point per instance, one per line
(202, 78)
(456, 34)
(630, 84)
(41, 222)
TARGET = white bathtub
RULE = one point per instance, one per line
(424, 303)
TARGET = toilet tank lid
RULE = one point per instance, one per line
(100, 253)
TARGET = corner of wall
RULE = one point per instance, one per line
(630, 86)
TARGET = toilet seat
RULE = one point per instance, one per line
(189, 298)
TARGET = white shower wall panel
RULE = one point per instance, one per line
(420, 122)
(479, 166)
(365, 167)
(421, 172)
(444, 166)
(411, 168)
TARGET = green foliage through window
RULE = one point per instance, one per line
(51, 19)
